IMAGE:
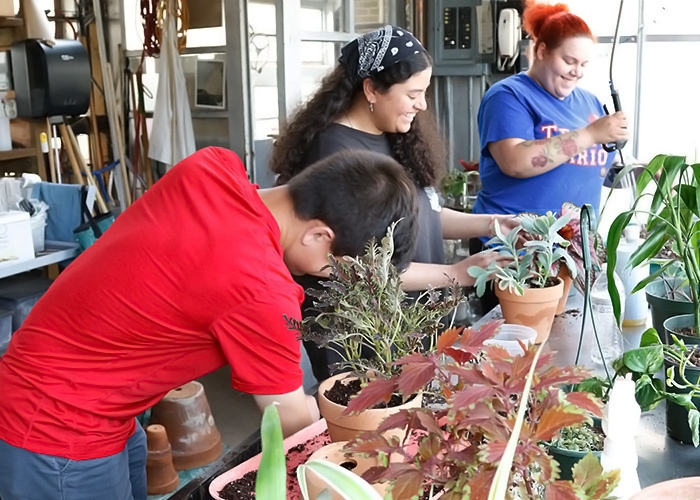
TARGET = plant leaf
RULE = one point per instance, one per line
(647, 360)
(414, 377)
(614, 235)
(448, 338)
(555, 419)
(563, 490)
(407, 483)
(650, 337)
(348, 485)
(649, 248)
(586, 401)
(378, 390)
(694, 423)
(271, 481)
(463, 399)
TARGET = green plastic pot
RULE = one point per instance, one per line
(568, 458)
(663, 308)
(671, 325)
(677, 426)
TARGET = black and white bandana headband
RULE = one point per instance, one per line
(379, 49)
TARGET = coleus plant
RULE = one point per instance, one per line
(458, 449)
(530, 265)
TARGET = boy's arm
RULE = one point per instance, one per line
(296, 409)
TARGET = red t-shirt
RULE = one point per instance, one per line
(189, 278)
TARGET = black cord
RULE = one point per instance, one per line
(614, 44)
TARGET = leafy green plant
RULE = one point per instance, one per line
(271, 480)
(647, 360)
(582, 437)
(533, 264)
(674, 214)
(363, 307)
(499, 408)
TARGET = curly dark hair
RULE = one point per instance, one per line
(420, 150)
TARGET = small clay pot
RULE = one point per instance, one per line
(346, 427)
(160, 473)
(568, 280)
(186, 416)
(686, 488)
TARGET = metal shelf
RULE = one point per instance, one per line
(56, 251)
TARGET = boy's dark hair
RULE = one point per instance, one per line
(420, 150)
(358, 194)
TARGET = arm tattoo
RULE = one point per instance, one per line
(561, 145)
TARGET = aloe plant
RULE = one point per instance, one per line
(674, 214)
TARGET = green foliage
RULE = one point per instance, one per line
(363, 304)
(580, 438)
(647, 360)
(674, 215)
(459, 448)
(531, 265)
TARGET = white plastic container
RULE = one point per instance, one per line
(636, 307)
(16, 242)
(508, 336)
(38, 223)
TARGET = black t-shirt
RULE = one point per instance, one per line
(337, 137)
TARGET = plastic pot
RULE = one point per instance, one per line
(663, 308)
(509, 335)
(677, 426)
(568, 458)
(676, 323)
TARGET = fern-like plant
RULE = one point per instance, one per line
(363, 307)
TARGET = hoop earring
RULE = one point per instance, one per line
(371, 107)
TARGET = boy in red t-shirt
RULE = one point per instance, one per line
(195, 275)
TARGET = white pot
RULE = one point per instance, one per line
(509, 335)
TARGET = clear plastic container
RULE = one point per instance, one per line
(5, 328)
(609, 333)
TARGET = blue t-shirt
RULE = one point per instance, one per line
(518, 107)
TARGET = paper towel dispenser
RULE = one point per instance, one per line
(50, 78)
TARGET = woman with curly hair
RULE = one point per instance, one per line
(375, 99)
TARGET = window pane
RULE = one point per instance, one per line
(670, 101)
(323, 15)
(601, 15)
(318, 59)
(679, 17)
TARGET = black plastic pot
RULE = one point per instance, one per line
(676, 416)
(663, 308)
(672, 325)
(567, 458)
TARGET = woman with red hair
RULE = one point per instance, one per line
(540, 134)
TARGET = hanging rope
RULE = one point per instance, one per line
(154, 13)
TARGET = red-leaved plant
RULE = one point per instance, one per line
(458, 449)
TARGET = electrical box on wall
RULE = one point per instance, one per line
(461, 37)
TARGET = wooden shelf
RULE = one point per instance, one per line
(17, 154)
(11, 22)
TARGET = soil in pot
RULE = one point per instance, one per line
(575, 443)
(244, 488)
(342, 391)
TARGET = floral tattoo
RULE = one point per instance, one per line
(553, 149)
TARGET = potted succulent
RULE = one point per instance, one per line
(673, 215)
(527, 287)
(362, 308)
(574, 443)
(680, 387)
(488, 392)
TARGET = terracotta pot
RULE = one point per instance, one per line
(187, 418)
(686, 488)
(566, 277)
(334, 453)
(160, 472)
(345, 428)
(535, 308)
